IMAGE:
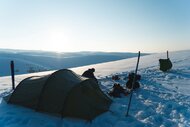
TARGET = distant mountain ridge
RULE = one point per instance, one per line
(36, 61)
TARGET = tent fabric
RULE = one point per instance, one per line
(62, 93)
(165, 64)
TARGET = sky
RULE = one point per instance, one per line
(95, 25)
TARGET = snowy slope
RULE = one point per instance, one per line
(38, 61)
(162, 101)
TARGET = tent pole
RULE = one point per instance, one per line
(131, 93)
(12, 74)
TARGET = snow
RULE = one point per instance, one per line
(38, 61)
(162, 101)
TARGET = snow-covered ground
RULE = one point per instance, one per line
(162, 101)
(39, 61)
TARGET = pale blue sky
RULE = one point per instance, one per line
(95, 25)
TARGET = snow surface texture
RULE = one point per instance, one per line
(162, 101)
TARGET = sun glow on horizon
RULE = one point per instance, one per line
(120, 26)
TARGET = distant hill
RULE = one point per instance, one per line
(36, 61)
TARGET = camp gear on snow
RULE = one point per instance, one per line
(117, 91)
(131, 76)
(129, 84)
(115, 77)
(134, 78)
(165, 64)
(62, 93)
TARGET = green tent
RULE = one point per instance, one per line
(62, 93)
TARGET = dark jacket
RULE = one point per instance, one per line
(89, 74)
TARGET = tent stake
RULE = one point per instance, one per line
(131, 93)
(12, 74)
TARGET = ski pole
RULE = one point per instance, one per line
(134, 78)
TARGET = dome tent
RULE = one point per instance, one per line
(61, 93)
